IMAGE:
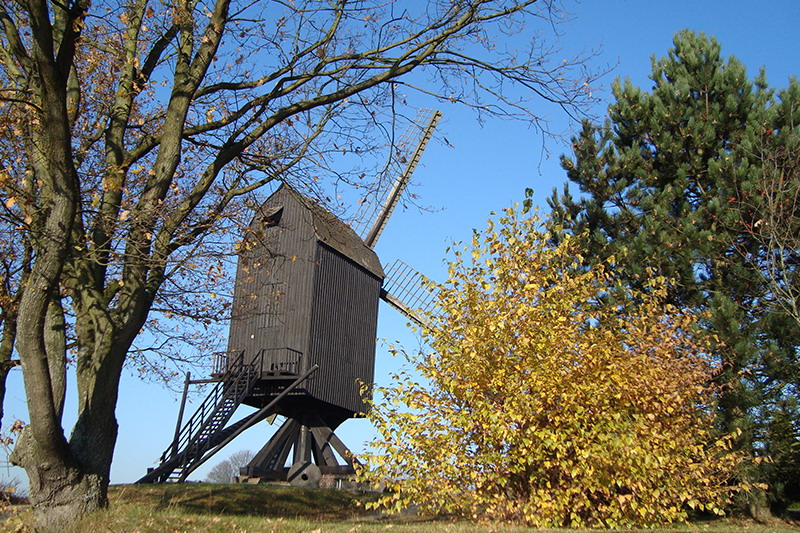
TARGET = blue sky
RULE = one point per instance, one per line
(487, 168)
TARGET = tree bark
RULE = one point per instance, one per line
(6, 349)
(74, 482)
(60, 492)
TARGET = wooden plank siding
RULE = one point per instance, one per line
(343, 328)
(274, 283)
(306, 292)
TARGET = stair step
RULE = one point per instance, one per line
(209, 420)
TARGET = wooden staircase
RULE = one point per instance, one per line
(205, 430)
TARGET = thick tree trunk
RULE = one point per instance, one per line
(60, 492)
(67, 487)
(61, 489)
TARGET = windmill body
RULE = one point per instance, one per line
(306, 292)
(302, 338)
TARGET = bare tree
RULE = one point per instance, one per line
(226, 470)
(774, 220)
(139, 129)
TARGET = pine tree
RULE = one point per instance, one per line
(671, 182)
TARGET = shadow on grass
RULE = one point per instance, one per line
(269, 501)
(198, 507)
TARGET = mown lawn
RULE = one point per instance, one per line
(281, 509)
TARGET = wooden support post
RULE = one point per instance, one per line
(270, 459)
(180, 413)
(302, 450)
(325, 454)
(259, 415)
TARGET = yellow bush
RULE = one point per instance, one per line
(550, 398)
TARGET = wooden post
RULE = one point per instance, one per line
(180, 413)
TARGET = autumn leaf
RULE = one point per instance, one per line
(538, 406)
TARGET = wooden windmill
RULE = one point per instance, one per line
(302, 334)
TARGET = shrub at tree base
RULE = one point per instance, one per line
(545, 400)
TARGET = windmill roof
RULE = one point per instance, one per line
(333, 232)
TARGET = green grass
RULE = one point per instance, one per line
(267, 501)
(280, 509)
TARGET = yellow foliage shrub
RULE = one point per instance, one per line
(550, 397)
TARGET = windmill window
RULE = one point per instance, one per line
(272, 216)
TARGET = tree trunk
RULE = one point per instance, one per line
(67, 487)
(758, 507)
(60, 493)
(6, 349)
(5, 368)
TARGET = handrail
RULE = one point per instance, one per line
(254, 418)
(219, 363)
(235, 374)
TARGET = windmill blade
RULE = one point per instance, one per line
(402, 181)
(409, 292)
(379, 213)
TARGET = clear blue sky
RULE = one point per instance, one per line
(488, 168)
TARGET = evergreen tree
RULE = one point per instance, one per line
(671, 182)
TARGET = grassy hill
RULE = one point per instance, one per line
(281, 509)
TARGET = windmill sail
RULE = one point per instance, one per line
(409, 292)
(379, 213)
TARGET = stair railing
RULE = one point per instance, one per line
(236, 374)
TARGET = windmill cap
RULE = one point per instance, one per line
(333, 232)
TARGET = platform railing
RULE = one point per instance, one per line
(236, 379)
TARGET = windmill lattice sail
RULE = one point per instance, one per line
(378, 214)
(410, 292)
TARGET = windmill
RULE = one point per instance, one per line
(302, 334)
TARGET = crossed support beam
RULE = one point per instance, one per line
(313, 443)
